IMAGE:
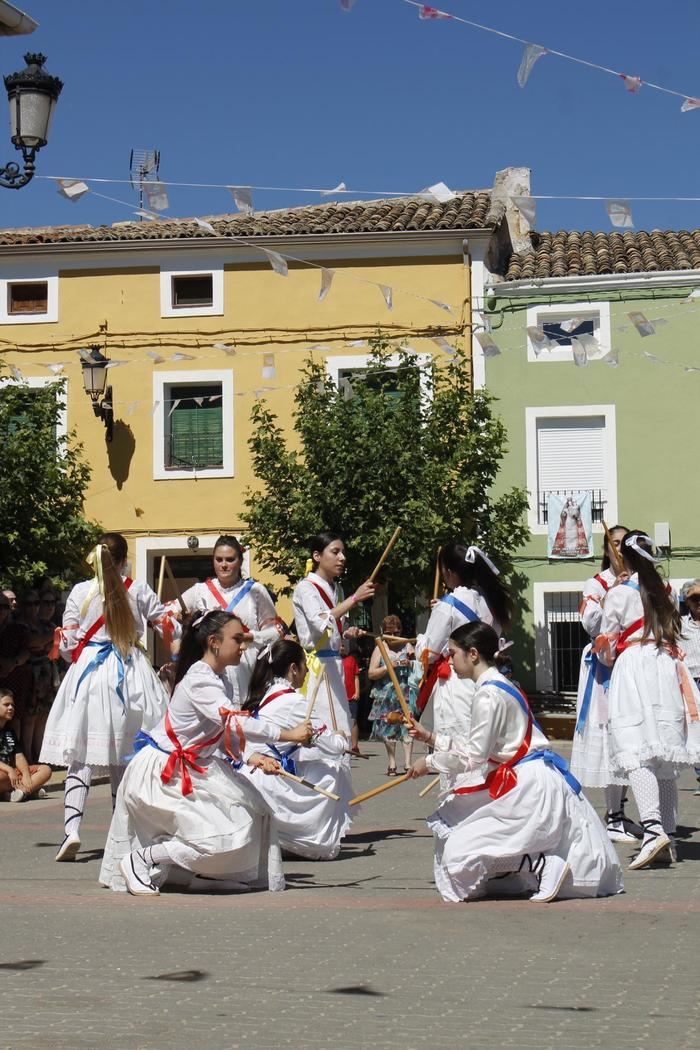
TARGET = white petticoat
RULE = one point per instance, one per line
(541, 814)
(452, 714)
(308, 824)
(224, 819)
(89, 724)
(590, 754)
(648, 717)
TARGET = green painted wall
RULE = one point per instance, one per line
(656, 408)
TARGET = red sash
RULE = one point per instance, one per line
(440, 669)
(329, 603)
(622, 641)
(503, 778)
(223, 603)
(273, 696)
(99, 622)
(602, 582)
(180, 758)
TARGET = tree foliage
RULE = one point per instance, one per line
(405, 445)
(43, 478)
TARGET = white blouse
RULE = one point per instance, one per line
(445, 618)
(256, 609)
(621, 608)
(312, 616)
(144, 603)
(591, 606)
(287, 711)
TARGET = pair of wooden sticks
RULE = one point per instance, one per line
(165, 567)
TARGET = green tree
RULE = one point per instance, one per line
(43, 478)
(402, 445)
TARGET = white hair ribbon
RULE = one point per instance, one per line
(94, 560)
(503, 644)
(196, 623)
(471, 554)
(631, 541)
(266, 653)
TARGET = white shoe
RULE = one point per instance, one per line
(669, 854)
(69, 848)
(651, 849)
(18, 795)
(42, 793)
(137, 875)
(617, 832)
(554, 872)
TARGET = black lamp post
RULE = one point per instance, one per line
(94, 365)
(32, 95)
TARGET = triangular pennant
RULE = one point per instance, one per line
(579, 353)
(690, 103)
(181, 357)
(540, 340)
(130, 409)
(199, 401)
(15, 373)
(227, 348)
(571, 324)
(487, 344)
(206, 226)
(175, 403)
(277, 262)
(269, 371)
(357, 342)
(340, 188)
(620, 214)
(147, 215)
(156, 406)
(156, 195)
(531, 54)
(612, 358)
(442, 343)
(388, 294)
(56, 369)
(427, 13)
(527, 206)
(243, 198)
(640, 322)
(441, 306)
(632, 84)
(156, 358)
(72, 189)
(326, 282)
(439, 192)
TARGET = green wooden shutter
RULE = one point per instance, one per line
(196, 436)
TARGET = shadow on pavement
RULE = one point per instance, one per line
(22, 964)
(355, 989)
(377, 836)
(179, 975)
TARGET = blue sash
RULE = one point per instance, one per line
(554, 761)
(241, 594)
(284, 759)
(517, 695)
(469, 614)
(103, 651)
(142, 740)
(597, 672)
(628, 583)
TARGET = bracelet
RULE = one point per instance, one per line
(353, 599)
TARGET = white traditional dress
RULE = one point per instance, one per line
(250, 601)
(307, 823)
(451, 696)
(653, 700)
(104, 700)
(513, 799)
(590, 755)
(215, 823)
(320, 635)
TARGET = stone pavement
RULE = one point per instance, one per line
(359, 952)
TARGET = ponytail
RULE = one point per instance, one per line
(282, 654)
(479, 573)
(662, 620)
(121, 626)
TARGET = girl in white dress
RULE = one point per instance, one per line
(319, 619)
(179, 811)
(247, 598)
(653, 701)
(308, 824)
(476, 594)
(514, 808)
(590, 760)
(111, 690)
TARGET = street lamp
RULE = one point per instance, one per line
(94, 365)
(32, 95)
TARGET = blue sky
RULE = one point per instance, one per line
(298, 93)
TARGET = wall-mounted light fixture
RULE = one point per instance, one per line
(94, 365)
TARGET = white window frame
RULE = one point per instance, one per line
(599, 313)
(197, 270)
(163, 379)
(356, 362)
(51, 313)
(544, 672)
(532, 416)
(41, 381)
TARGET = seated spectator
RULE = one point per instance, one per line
(15, 673)
(39, 643)
(18, 780)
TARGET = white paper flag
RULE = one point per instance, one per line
(527, 206)
(441, 306)
(579, 352)
(357, 342)
(56, 369)
(243, 198)
(156, 195)
(72, 189)
(690, 103)
(540, 340)
(174, 405)
(347, 5)
(130, 409)
(115, 364)
(632, 84)
(322, 348)
(227, 348)
(388, 296)
(326, 282)
(269, 371)
(181, 357)
(442, 343)
(16, 374)
(427, 13)
(340, 188)
(620, 214)
(156, 358)
(612, 358)
(147, 215)
(640, 322)
(156, 406)
(439, 192)
(689, 368)
(199, 401)
(571, 324)
(277, 262)
(487, 344)
(206, 226)
(530, 55)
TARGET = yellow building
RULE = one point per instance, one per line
(198, 325)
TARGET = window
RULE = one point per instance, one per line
(193, 425)
(559, 636)
(32, 383)
(571, 449)
(25, 297)
(29, 299)
(193, 292)
(592, 320)
(342, 369)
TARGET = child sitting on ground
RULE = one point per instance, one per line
(18, 780)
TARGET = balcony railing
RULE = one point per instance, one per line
(598, 502)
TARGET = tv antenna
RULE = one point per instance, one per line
(144, 165)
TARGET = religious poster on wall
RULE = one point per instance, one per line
(570, 532)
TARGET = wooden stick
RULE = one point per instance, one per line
(436, 585)
(394, 680)
(378, 790)
(331, 705)
(312, 701)
(308, 784)
(161, 577)
(385, 555)
(356, 754)
(428, 787)
(399, 639)
(614, 555)
(175, 586)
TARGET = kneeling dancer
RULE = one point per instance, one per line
(514, 808)
(177, 810)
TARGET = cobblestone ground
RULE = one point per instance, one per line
(359, 952)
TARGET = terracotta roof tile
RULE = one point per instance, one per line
(570, 253)
(468, 211)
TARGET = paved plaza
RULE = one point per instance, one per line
(359, 952)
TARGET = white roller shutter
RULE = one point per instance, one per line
(571, 454)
